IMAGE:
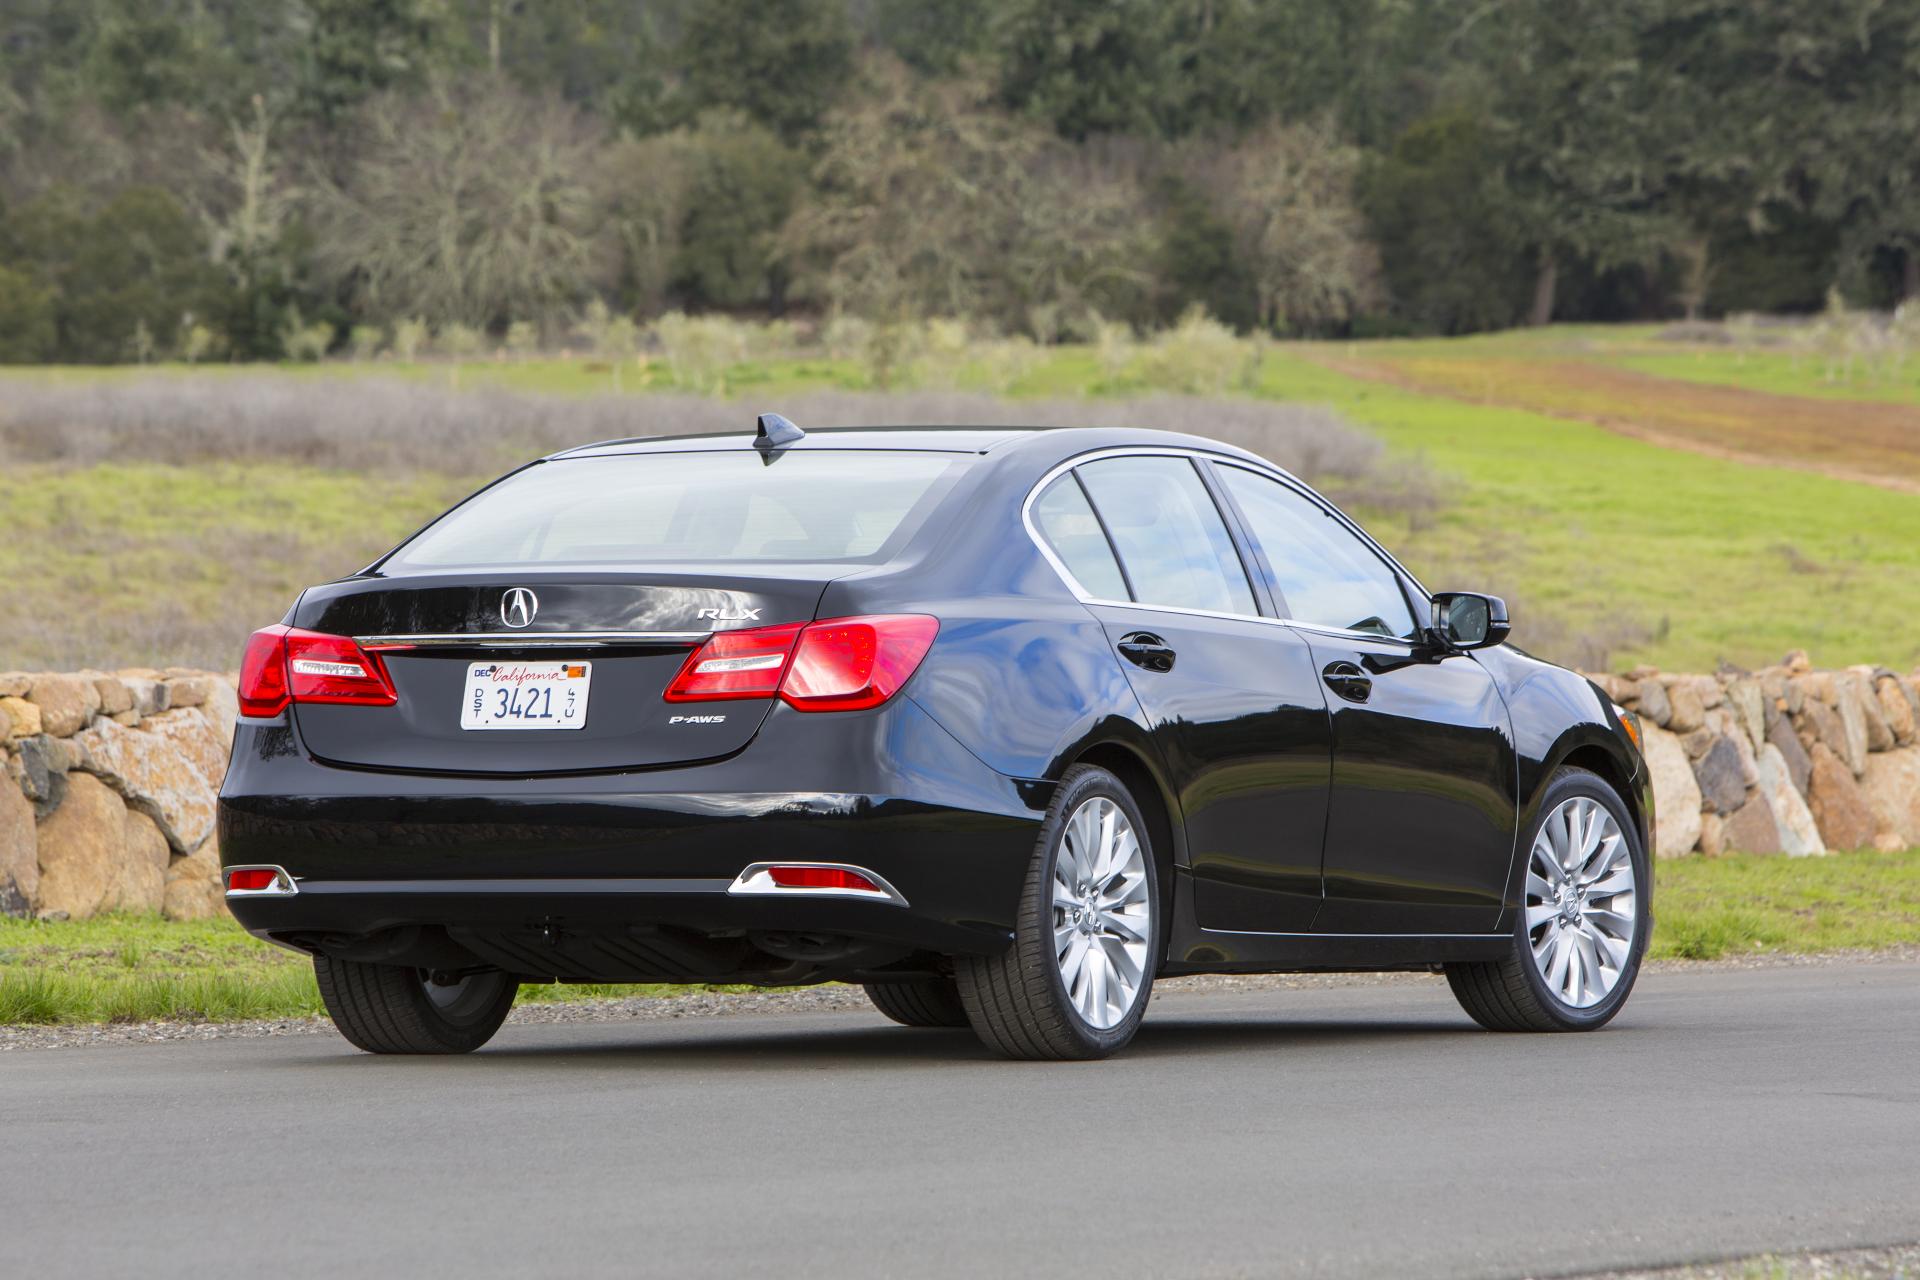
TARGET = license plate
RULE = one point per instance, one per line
(526, 695)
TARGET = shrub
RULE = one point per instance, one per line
(365, 340)
(409, 336)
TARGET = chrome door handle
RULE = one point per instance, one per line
(1348, 680)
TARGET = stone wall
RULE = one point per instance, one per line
(1782, 760)
(107, 803)
(108, 797)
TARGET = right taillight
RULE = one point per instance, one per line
(839, 664)
(285, 664)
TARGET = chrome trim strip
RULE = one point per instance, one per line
(532, 639)
(1336, 937)
(1084, 596)
(756, 881)
(283, 885)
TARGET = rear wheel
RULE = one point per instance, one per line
(385, 1008)
(1075, 981)
(929, 1002)
(1583, 923)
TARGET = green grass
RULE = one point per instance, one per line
(1705, 559)
(1612, 550)
(1705, 908)
(142, 968)
(139, 968)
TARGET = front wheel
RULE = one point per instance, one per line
(386, 1008)
(1075, 981)
(1583, 922)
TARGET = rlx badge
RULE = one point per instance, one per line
(518, 606)
(730, 615)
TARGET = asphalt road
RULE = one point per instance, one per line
(1343, 1131)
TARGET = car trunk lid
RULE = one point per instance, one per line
(621, 636)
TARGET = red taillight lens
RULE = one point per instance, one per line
(842, 664)
(821, 878)
(850, 664)
(285, 664)
(263, 673)
(736, 664)
(248, 878)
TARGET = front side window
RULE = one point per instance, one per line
(1330, 578)
(1170, 536)
(1073, 531)
(830, 505)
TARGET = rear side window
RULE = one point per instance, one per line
(1073, 531)
(832, 505)
(1169, 534)
(1329, 577)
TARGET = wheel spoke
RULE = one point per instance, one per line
(1581, 856)
(1103, 919)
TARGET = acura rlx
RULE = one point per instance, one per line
(1000, 724)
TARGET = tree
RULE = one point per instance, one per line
(782, 62)
(1437, 211)
(931, 202)
(473, 204)
(120, 277)
(1576, 123)
(1288, 193)
(27, 330)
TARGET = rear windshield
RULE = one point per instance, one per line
(832, 505)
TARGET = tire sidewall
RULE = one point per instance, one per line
(1567, 785)
(1074, 792)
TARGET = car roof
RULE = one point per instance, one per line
(1062, 442)
(954, 439)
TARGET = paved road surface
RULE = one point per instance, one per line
(1344, 1131)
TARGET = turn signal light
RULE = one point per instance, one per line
(284, 664)
(838, 664)
(809, 877)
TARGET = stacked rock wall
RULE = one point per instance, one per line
(107, 803)
(1782, 760)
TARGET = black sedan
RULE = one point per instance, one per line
(1001, 724)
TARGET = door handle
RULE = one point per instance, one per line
(1348, 680)
(1144, 649)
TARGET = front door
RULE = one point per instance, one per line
(1233, 698)
(1423, 807)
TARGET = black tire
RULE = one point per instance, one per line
(928, 1002)
(385, 1008)
(1017, 1000)
(1510, 994)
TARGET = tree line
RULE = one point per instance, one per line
(256, 179)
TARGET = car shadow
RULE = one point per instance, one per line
(726, 1044)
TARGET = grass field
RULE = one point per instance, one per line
(1584, 473)
(141, 968)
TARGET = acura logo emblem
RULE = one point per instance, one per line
(518, 606)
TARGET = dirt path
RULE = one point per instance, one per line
(1860, 441)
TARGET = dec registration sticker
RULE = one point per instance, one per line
(526, 695)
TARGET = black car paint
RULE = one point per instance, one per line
(606, 862)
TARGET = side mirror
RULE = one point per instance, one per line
(1469, 620)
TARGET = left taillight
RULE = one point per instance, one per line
(284, 664)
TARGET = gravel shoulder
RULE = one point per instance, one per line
(838, 998)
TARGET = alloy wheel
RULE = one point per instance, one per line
(1102, 912)
(1582, 908)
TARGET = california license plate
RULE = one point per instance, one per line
(526, 695)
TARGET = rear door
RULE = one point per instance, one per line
(1232, 698)
(1420, 824)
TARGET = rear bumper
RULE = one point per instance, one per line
(618, 878)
